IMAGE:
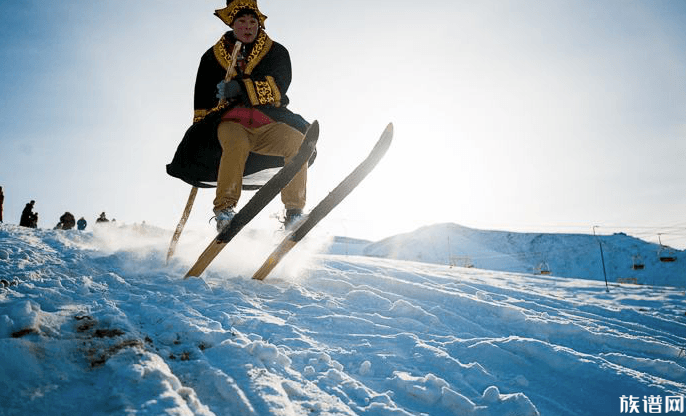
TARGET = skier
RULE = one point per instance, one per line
(81, 224)
(247, 114)
(2, 201)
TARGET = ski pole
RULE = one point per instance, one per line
(231, 70)
(182, 223)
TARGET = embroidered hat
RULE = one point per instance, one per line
(233, 7)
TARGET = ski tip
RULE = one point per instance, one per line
(314, 128)
(389, 130)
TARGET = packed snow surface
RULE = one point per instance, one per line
(97, 323)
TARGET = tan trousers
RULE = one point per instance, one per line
(237, 141)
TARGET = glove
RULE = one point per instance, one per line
(228, 90)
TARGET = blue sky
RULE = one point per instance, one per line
(519, 115)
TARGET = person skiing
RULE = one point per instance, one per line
(81, 224)
(247, 114)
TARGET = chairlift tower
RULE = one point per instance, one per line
(602, 259)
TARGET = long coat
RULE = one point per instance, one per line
(265, 74)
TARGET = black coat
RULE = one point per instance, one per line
(265, 77)
(28, 217)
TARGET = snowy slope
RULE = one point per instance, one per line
(565, 255)
(95, 323)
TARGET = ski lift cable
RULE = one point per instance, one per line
(638, 231)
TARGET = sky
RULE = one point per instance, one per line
(556, 116)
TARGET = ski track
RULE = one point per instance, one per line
(355, 335)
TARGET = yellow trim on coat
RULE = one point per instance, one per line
(275, 90)
(263, 92)
(222, 51)
(199, 114)
(250, 90)
(262, 45)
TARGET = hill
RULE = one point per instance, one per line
(626, 259)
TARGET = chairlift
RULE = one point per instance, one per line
(665, 254)
(543, 269)
(638, 263)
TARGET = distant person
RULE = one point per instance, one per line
(102, 218)
(67, 221)
(25, 220)
(28, 217)
(81, 224)
(2, 201)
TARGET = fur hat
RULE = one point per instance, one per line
(233, 7)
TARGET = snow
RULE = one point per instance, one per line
(96, 323)
(566, 255)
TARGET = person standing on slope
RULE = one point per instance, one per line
(28, 217)
(249, 110)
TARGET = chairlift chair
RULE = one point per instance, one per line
(543, 269)
(638, 263)
(665, 254)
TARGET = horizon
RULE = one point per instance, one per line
(646, 237)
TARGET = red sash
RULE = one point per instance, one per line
(248, 117)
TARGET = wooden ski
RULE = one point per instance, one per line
(261, 199)
(327, 204)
